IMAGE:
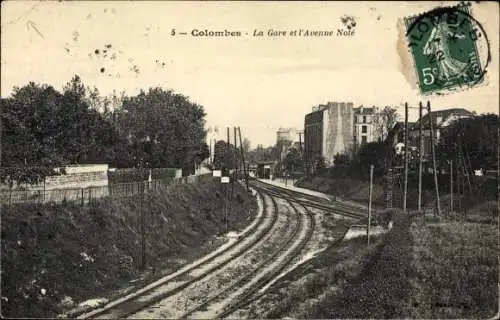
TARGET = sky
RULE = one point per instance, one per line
(257, 83)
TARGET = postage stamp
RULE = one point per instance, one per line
(449, 47)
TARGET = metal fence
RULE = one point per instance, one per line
(85, 195)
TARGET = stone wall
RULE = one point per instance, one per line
(79, 176)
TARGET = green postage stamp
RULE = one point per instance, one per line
(449, 47)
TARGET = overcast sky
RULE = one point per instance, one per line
(259, 84)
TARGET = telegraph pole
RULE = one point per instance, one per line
(226, 196)
(235, 154)
(228, 147)
(405, 192)
(245, 172)
(438, 204)
(235, 173)
(420, 156)
(370, 206)
(143, 227)
(451, 186)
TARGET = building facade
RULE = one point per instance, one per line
(285, 139)
(328, 131)
(440, 120)
(365, 125)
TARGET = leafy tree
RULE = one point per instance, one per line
(385, 121)
(293, 160)
(162, 128)
(86, 136)
(341, 159)
(29, 133)
(44, 129)
(478, 138)
(224, 156)
(261, 154)
(372, 153)
(319, 162)
(246, 145)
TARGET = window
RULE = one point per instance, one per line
(364, 129)
(363, 139)
(364, 119)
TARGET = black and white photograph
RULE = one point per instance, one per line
(249, 160)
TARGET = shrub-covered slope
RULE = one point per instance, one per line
(56, 255)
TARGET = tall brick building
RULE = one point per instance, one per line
(328, 131)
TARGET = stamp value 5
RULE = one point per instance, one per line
(449, 48)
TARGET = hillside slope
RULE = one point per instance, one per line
(54, 256)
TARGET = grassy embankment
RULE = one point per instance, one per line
(54, 256)
(423, 268)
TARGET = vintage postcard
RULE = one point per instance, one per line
(249, 159)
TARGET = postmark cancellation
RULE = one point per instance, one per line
(447, 48)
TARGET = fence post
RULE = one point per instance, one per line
(90, 194)
(82, 197)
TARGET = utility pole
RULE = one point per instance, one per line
(245, 172)
(405, 192)
(451, 186)
(143, 227)
(370, 206)
(498, 176)
(420, 156)
(235, 172)
(459, 184)
(235, 154)
(302, 157)
(438, 203)
(210, 159)
(226, 155)
(226, 197)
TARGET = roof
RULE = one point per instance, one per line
(364, 110)
(444, 114)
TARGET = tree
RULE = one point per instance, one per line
(341, 159)
(477, 138)
(30, 129)
(246, 145)
(261, 154)
(44, 129)
(86, 136)
(162, 128)
(372, 153)
(224, 156)
(293, 160)
(384, 121)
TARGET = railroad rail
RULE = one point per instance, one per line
(311, 201)
(127, 306)
(247, 296)
(295, 242)
(239, 292)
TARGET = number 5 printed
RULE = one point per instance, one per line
(428, 76)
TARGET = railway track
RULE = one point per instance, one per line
(240, 290)
(311, 201)
(124, 307)
(265, 271)
(247, 297)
